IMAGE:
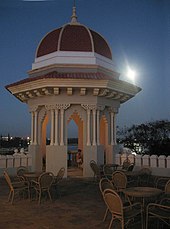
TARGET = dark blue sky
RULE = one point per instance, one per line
(138, 32)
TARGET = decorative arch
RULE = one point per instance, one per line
(103, 130)
(43, 119)
(79, 122)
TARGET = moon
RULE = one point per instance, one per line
(131, 74)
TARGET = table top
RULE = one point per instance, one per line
(32, 174)
(109, 165)
(142, 191)
(131, 173)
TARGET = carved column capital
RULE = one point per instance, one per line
(113, 110)
(62, 106)
(33, 108)
(89, 106)
(100, 107)
(50, 107)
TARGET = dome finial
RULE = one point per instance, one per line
(74, 16)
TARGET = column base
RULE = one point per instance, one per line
(95, 153)
(111, 151)
(35, 151)
(56, 157)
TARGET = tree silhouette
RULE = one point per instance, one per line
(149, 138)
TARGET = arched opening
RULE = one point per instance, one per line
(104, 135)
(75, 142)
(45, 140)
(72, 143)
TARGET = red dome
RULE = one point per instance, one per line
(74, 38)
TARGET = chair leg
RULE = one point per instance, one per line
(39, 199)
(146, 222)
(105, 215)
(29, 193)
(122, 224)
(9, 196)
(142, 220)
(49, 195)
(111, 221)
(12, 199)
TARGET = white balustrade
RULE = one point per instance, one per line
(161, 161)
(23, 160)
(168, 162)
(131, 158)
(10, 161)
(3, 161)
(146, 160)
(138, 160)
(17, 161)
(159, 164)
(123, 158)
(29, 160)
(118, 159)
(154, 161)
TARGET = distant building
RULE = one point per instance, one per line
(73, 77)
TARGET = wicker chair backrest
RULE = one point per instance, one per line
(119, 180)
(45, 179)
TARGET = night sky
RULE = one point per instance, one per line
(138, 32)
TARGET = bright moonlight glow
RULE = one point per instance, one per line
(131, 74)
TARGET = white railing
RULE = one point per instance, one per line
(11, 162)
(159, 165)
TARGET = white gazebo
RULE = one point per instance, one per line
(73, 77)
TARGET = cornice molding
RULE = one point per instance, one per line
(110, 89)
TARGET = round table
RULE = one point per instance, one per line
(32, 175)
(142, 192)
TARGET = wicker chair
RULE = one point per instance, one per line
(161, 182)
(57, 180)
(96, 170)
(160, 211)
(119, 211)
(167, 188)
(43, 184)
(119, 180)
(125, 165)
(108, 171)
(20, 172)
(166, 193)
(130, 167)
(104, 184)
(144, 177)
(16, 187)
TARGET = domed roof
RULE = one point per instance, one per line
(74, 37)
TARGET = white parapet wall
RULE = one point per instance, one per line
(159, 165)
(12, 162)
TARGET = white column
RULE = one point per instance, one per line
(111, 128)
(88, 127)
(56, 127)
(62, 126)
(94, 127)
(114, 129)
(32, 127)
(35, 127)
(52, 127)
(98, 127)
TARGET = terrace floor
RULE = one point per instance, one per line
(80, 206)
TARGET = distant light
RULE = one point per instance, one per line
(131, 74)
(34, 0)
(133, 153)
